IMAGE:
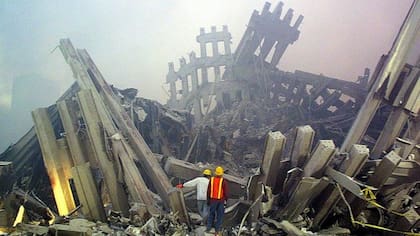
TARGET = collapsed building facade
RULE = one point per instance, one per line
(303, 151)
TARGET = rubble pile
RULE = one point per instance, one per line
(304, 154)
(28, 169)
(118, 225)
(234, 110)
(166, 131)
(325, 188)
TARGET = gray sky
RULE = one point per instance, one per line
(132, 41)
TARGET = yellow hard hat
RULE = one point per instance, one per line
(207, 172)
(219, 170)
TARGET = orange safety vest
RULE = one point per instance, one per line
(216, 190)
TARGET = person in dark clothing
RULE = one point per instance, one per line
(217, 195)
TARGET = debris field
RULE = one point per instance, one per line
(304, 154)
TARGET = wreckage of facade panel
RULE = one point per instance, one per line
(304, 152)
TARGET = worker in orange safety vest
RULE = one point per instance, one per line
(217, 195)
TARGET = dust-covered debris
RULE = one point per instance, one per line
(299, 158)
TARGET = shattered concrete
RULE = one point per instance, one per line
(277, 134)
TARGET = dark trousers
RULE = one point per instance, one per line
(217, 210)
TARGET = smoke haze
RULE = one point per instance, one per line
(132, 41)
